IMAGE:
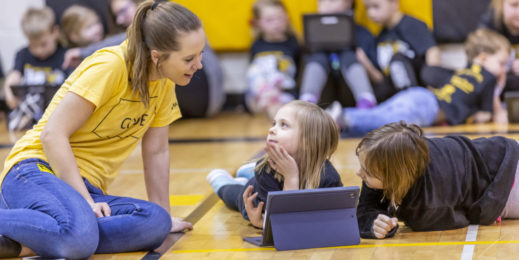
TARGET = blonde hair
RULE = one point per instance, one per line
(318, 139)
(497, 8)
(158, 29)
(74, 19)
(485, 41)
(37, 21)
(256, 15)
(397, 155)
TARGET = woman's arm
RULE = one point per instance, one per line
(70, 114)
(155, 156)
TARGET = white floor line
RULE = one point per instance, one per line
(468, 250)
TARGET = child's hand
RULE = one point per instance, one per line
(283, 164)
(383, 224)
(254, 213)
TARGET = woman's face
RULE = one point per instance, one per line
(123, 11)
(511, 14)
(180, 66)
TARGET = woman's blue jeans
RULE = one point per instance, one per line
(42, 212)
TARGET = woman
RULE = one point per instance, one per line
(53, 199)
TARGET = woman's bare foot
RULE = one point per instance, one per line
(178, 225)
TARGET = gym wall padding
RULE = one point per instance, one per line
(455, 19)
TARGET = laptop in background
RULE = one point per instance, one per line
(329, 32)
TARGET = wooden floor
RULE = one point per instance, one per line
(228, 141)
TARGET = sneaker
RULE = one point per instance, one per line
(9, 248)
(365, 103)
(220, 177)
(335, 110)
(246, 170)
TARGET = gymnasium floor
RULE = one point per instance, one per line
(229, 140)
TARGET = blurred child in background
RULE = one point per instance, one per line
(81, 26)
(37, 64)
(467, 93)
(404, 46)
(319, 64)
(503, 17)
(274, 56)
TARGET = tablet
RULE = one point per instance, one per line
(338, 204)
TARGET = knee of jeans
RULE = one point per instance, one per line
(80, 245)
(160, 218)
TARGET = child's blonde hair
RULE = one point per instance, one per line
(397, 155)
(38, 21)
(485, 41)
(74, 19)
(157, 25)
(256, 15)
(318, 138)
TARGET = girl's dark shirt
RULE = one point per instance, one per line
(466, 182)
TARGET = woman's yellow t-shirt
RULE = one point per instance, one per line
(117, 124)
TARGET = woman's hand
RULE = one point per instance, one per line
(254, 213)
(178, 225)
(383, 224)
(101, 209)
(284, 164)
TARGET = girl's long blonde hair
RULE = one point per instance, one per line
(396, 154)
(157, 25)
(318, 138)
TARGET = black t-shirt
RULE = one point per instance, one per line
(289, 49)
(266, 182)
(466, 182)
(36, 71)
(366, 41)
(469, 90)
(410, 37)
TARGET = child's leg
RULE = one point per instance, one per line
(314, 77)
(246, 170)
(415, 105)
(511, 209)
(402, 71)
(357, 79)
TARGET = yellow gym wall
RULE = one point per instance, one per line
(227, 22)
